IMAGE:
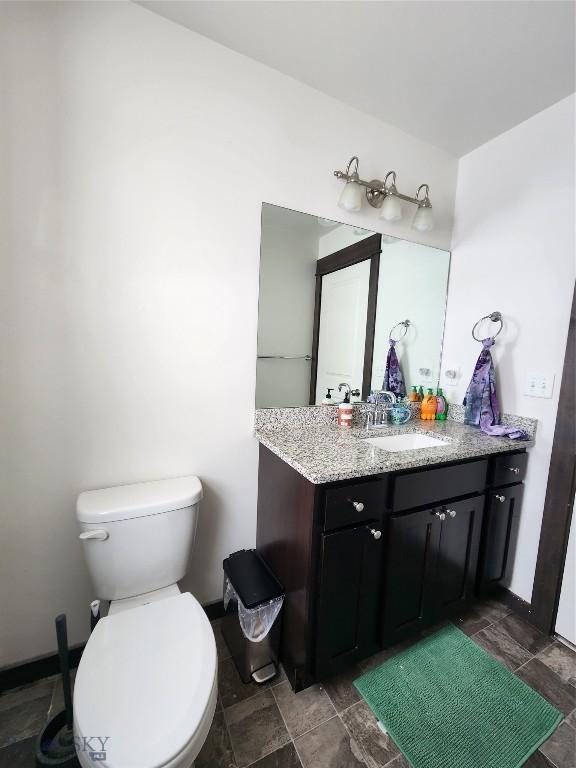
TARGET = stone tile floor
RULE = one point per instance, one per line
(326, 726)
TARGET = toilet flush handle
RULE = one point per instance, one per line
(96, 533)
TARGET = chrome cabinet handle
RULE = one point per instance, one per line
(499, 498)
(451, 512)
(358, 506)
(375, 533)
(514, 469)
(440, 515)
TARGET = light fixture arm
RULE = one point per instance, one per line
(377, 190)
(353, 159)
(425, 201)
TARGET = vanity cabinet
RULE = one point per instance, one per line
(368, 562)
(500, 534)
(431, 557)
(502, 513)
(348, 597)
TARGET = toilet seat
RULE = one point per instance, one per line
(147, 681)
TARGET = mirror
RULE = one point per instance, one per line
(331, 297)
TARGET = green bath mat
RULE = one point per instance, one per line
(448, 704)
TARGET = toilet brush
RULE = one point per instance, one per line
(55, 744)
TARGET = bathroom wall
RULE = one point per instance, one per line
(513, 251)
(135, 159)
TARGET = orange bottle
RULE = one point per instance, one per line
(428, 407)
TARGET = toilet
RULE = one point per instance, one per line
(146, 687)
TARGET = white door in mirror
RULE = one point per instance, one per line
(342, 335)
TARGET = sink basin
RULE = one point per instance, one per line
(407, 442)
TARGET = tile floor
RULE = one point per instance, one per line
(326, 726)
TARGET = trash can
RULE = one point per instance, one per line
(253, 599)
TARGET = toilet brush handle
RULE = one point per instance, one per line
(62, 637)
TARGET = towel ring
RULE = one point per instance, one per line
(404, 323)
(495, 317)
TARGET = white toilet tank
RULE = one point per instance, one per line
(138, 538)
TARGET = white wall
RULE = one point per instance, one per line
(513, 251)
(135, 159)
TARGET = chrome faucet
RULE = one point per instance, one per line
(348, 390)
(379, 417)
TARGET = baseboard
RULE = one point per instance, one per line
(214, 610)
(515, 603)
(35, 669)
(44, 666)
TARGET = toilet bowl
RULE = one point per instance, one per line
(146, 687)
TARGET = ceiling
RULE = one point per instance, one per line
(453, 73)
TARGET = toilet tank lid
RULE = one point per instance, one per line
(124, 502)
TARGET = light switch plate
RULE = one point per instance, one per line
(451, 376)
(539, 384)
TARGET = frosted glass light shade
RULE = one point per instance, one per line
(351, 197)
(423, 219)
(391, 209)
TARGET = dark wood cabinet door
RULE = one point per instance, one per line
(348, 598)
(410, 555)
(499, 540)
(457, 556)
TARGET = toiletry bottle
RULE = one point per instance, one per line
(420, 393)
(441, 405)
(414, 396)
(345, 412)
(424, 407)
(428, 409)
(328, 400)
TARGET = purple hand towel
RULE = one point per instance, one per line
(481, 401)
(393, 379)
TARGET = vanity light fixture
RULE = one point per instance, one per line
(384, 195)
(423, 218)
(351, 197)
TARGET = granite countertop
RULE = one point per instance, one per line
(324, 453)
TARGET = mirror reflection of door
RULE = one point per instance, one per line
(342, 333)
(344, 319)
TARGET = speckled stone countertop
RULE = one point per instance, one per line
(325, 452)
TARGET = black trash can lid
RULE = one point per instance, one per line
(251, 578)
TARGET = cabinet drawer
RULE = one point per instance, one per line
(430, 486)
(353, 503)
(509, 469)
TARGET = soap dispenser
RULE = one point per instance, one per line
(345, 412)
(428, 409)
(328, 400)
(441, 405)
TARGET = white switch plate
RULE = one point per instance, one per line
(539, 385)
(451, 375)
